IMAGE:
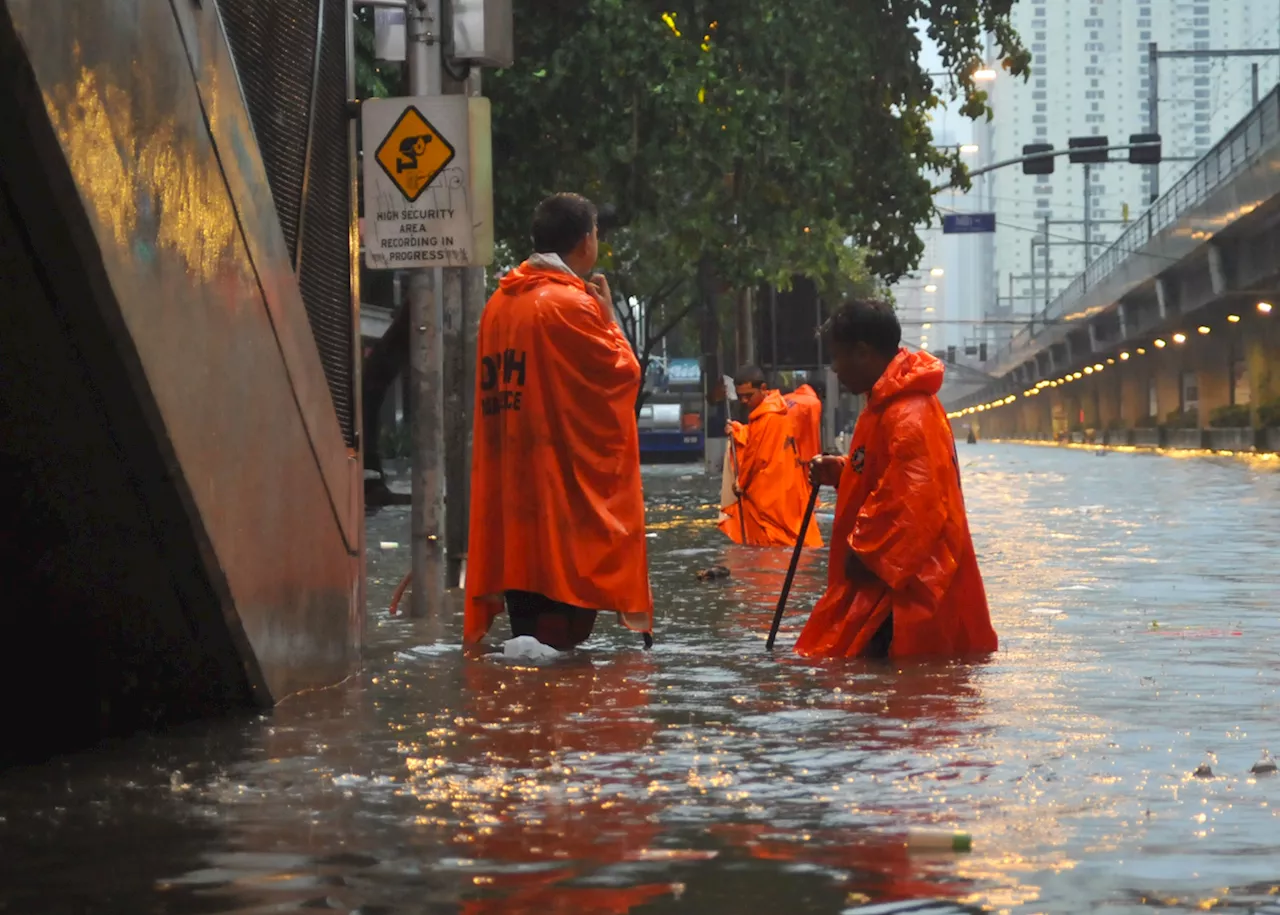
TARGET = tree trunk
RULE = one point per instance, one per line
(386, 360)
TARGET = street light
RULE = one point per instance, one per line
(931, 288)
(936, 271)
(1264, 307)
(968, 149)
(984, 75)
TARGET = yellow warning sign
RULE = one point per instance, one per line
(414, 153)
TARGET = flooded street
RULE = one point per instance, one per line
(1136, 601)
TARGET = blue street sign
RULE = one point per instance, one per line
(960, 223)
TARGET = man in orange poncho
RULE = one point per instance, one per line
(770, 487)
(557, 511)
(806, 415)
(903, 579)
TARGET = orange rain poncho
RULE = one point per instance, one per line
(806, 416)
(556, 502)
(771, 480)
(901, 510)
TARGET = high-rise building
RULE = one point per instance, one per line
(1090, 78)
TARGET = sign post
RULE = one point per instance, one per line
(428, 208)
(968, 223)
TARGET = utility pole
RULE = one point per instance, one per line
(1088, 215)
(474, 296)
(1153, 110)
(426, 357)
(1047, 264)
(460, 332)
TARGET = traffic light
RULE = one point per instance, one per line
(982, 352)
(1145, 155)
(951, 355)
(1091, 150)
(1037, 166)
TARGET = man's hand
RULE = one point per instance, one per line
(728, 428)
(825, 470)
(598, 286)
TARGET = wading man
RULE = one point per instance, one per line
(557, 512)
(903, 579)
(771, 488)
(806, 415)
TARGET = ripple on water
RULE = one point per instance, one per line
(712, 776)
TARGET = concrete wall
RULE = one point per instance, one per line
(184, 510)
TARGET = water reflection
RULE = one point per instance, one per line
(710, 777)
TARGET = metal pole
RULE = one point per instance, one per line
(1034, 275)
(474, 296)
(1088, 212)
(1046, 266)
(1153, 109)
(455, 422)
(426, 361)
(1253, 72)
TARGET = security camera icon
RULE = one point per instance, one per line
(410, 149)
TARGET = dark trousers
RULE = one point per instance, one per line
(878, 647)
(550, 622)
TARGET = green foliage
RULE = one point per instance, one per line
(1182, 419)
(1269, 414)
(374, 78)
(1231, 417)
(766, 138)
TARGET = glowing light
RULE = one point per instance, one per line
(1098, 367)
(937, 271)
(1234, 319)
(1141, 351)
(1077, 376)
(1160, 344)
(984, 75)
(931, 288)
(1179, 338)
(1111, 362)
(1264, 307)
(1202, 329)
(929, 310)
(1088, 370)
(968, 148)
(1124, 356)
(1010, 399)
(926, 326)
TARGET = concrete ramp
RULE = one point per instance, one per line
(181, 521)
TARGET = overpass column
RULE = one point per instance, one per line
(1261, 345)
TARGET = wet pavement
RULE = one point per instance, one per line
(1136, 599)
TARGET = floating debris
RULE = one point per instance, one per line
(1265, 766)
(715, 573)
(938, 840)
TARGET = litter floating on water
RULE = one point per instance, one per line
(938, 840)
(527, 648)
(389, 545)
(712, 574)
(1265, 766)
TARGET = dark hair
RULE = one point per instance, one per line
(561, 222)
(867, 321)
(749, 374)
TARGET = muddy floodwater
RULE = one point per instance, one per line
(1136, 599)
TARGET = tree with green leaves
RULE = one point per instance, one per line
(742, 142)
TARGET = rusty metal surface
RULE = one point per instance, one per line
(205, 291)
